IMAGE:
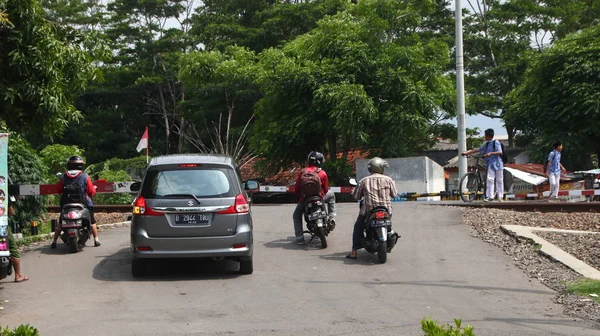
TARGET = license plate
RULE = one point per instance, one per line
(191, 219)
(380, 223)
(315, 215)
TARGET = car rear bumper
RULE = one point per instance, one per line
(192, 247)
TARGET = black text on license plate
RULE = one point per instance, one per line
(378, 223)
(192, 219)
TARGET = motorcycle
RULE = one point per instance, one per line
(5, 259)
(317, 219)
(75, 222)
(378, 233)
(6, 268)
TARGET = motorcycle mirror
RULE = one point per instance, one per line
(135, 187)
(353, 182)
(59, 175)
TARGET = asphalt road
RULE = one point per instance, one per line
(437, 270)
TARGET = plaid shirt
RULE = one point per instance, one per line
(377, 190)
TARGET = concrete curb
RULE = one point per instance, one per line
(552, 251)
(48, 236)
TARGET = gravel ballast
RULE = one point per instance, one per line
(486, 225)
(585, 247)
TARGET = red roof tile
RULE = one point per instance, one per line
(286, 177)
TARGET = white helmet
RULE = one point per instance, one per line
(377, 165)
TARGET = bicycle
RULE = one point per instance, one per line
(472, 185)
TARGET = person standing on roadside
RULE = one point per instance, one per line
(553, 167)
(492, 152)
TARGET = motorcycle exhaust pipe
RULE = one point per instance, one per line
(392, 239)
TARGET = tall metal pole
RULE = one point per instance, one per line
(460, 91)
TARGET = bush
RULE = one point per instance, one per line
(338, 171)
(134, 166)
(55, 158)
(25, 167)
(113, 176)
(433, 328)
(22, 330)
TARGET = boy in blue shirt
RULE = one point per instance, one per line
(555, 167)
(491, 150)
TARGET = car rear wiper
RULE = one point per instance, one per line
(192, 195)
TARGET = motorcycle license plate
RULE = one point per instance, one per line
(380, 223)
(72, 223)
(315, 215)
(192, 219)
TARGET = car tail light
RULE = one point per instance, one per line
(140, 208)
(380, 215)
(241, 206)
(143, 248)
(188, 165)
(238, 246)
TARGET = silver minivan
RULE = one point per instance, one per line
(192, 206)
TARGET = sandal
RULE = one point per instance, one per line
(25, 278)
(349, 256)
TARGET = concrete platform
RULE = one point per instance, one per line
(553, 251)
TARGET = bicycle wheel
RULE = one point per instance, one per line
(470, 187)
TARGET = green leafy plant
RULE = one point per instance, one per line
(22, 330)
(433, 328)
(338, 171)
(55, 158)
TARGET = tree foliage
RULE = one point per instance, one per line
(40, 73)
(559, 99)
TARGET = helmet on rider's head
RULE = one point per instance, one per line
(75, 162)
(377, 165)
(316, 158)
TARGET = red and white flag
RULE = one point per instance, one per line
(143, 141)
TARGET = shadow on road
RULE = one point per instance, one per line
(117, 267)
(288, 244)
(449, 284)
(363, 258)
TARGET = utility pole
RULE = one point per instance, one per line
(460, 91)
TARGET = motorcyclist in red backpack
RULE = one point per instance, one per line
(315, 161)
(75, 174)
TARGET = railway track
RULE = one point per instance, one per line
(526, 206)
(531, 206)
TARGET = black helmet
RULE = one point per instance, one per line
(316, 158)
(75, 163)
(377, 165)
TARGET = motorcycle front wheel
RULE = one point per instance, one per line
(382, 252)
(322, 238)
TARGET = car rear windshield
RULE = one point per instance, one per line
(205, 182)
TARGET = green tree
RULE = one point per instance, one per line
(228, 77)
(55, 158)
(559, 99)
(40, 73)
(360, 78)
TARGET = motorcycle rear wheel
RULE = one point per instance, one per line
(382, 252)
(322, 238)
(73, 245)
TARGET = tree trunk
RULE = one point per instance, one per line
(332, 147)
(181, 127)
(511, 134)
(166, 118)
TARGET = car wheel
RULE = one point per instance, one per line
(246, 266)
(138, 267)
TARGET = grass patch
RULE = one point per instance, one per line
(585, 287)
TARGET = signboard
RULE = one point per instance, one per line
(4, 195)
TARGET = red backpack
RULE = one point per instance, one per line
(310, 183)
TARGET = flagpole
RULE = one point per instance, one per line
(147, 145)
